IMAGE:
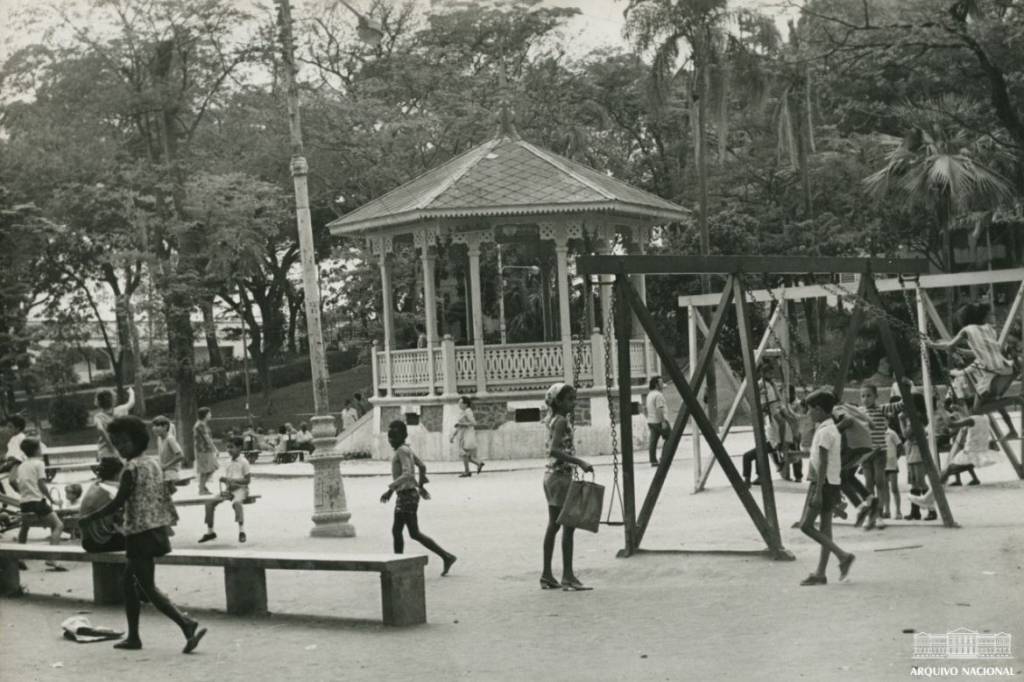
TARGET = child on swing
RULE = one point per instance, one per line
(403, 470)
(562, 459)
(991, 372)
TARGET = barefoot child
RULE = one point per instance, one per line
(403, 472)
(464, 437)
(892, 471)
(825, 468)
(561, 400)
(916, 477)
(235, 480)
(147, 515)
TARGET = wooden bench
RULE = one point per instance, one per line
(289, 456)
(403, 598)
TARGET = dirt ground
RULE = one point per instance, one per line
(667, 616)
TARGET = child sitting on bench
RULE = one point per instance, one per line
(235, 487)
(105, 534)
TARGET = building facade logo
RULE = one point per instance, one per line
(962, 643)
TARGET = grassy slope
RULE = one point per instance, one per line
(292, 403)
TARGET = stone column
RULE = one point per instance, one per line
(473, 246)
(330, 507)
(564, 321)
(429, 257)
(387, 308)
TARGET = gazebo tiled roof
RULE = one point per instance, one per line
(506, 176)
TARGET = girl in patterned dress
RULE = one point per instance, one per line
(403, 470)
(147, 514)
(562, 459)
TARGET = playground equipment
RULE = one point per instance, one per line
(923, 312)
(628, 302)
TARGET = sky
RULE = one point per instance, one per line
(599, 24)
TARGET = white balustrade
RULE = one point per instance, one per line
(509, 367)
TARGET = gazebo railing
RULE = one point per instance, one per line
(509, 367)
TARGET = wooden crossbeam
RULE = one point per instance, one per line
(668, 452)
(623, 334)
(741, 390)
(1016, 307)
(851, 339)
(693, 405)
(757, 414)
(916, 427)
(797, 265)
(796, 293)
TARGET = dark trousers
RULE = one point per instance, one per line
(656, 432)
(750, 456)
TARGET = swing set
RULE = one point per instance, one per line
(778, 328)
(627, 302)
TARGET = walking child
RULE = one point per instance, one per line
(235, 482)
(147, 515)
(205, 449)
(403, 472)
(464, 437)
(657, 419)
(825, 468)
(562, 461)
(169, 452)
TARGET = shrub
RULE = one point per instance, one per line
(67, 415)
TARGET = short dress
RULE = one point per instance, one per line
(205, 449)
(148, 511)
(975, 452)
(989, 361)
(558, 474)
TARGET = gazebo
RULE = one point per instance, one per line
(504, 190)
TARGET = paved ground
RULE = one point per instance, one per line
(655, 616)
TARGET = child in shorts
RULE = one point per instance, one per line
(235, 480)
(825, 467)
(35, 495)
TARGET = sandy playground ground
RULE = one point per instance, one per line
(656, 616)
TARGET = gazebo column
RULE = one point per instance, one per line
(473, 247)
(428, 253)
(640, 283)
(564, 321)
(388, 308)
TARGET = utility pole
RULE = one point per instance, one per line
(331, 515)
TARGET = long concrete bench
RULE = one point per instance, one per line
(403, 598)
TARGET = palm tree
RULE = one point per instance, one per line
(938, 166)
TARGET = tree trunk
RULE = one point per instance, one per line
(210, 332)
(133, 332)
(180, 343)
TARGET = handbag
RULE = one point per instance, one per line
(583, 504)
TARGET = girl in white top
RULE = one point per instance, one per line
(971, 449)
(464, 437)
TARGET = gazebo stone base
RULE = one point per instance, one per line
(509, 425)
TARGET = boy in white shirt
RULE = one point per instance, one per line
(825, 471)
(236, 480)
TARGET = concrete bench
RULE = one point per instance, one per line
(403, 598)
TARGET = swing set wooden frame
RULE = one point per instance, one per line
(628, 303)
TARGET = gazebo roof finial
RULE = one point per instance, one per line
(506, 126)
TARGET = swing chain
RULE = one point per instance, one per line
(612, 419)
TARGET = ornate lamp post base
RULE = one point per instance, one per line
(331, 515)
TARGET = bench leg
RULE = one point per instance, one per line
(10, 577)
(246, 590)
(108, 584)
(403, 597)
